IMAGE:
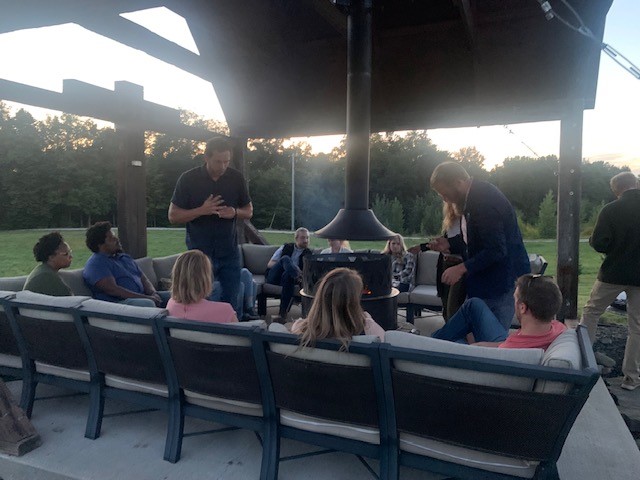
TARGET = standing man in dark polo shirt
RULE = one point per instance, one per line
(209, 199)
(617, 235)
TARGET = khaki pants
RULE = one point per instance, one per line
(602, 294)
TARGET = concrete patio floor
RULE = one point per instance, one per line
(131, 446)
(132, 443)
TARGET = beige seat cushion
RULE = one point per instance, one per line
(531, 356)
(426, 295)
(224, 404)
(82, 375)
(136, 385)
(330, 427)
(12, 361)
(464, 456)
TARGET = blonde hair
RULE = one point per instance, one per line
(447, 173)
(191, 277)
(387, 247)
(336, 311)
(450, 214)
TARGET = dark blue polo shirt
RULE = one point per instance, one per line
(211, 234)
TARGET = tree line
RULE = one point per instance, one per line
(60, 172)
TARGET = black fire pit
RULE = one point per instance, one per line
(378, 297)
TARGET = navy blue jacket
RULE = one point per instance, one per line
(494, 255)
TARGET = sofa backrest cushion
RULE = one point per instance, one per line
(48, 301)
(321, 355)
(426, 271)
(163, 266)
(12, 284)
(146, 265)
(531, 356)
(256, 257)
(564, 352)
(74, 279)
(211, 338)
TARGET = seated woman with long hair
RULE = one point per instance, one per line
(54, 254)
(336, 311)
(191, 283)
(403, 263)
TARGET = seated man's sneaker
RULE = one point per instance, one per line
(248, 316)
(629, 384)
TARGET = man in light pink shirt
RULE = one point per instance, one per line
(537, 299)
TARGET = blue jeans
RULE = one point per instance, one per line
(226, 271)
(246, 293)
(474, 316)
(284, 273)
(503, 308)
(146, 302)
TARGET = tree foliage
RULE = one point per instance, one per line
(60, 172)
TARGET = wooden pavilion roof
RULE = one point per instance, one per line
(279, 66)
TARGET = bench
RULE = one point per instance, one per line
(465, 411)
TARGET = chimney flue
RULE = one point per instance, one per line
(356, 221)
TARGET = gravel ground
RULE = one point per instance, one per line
(611, 339)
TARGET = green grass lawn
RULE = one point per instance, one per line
(16, 257)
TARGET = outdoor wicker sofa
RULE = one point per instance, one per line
(467, 411)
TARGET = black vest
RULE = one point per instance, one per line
(288, 250)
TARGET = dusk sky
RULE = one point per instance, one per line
(37, 57)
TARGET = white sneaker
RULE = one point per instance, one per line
(629, 385)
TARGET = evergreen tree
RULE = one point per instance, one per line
(547, 217)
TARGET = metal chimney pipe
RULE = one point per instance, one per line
(356, 221)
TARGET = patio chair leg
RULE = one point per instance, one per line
(270, 452)
(410, 313)
(175, 432)
(28, 395)
(96, 411)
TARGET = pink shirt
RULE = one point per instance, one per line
(204, 311)
(370, 326)
(534, 341)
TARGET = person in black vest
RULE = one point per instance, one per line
(285, 267)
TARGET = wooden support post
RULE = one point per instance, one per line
(131, 173)
(569, 191)
(17, 435)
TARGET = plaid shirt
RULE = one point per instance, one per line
(402, 269)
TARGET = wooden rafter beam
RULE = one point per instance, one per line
(83, 99)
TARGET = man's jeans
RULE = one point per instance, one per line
(474, 316)
(284, 273)
(146, 302)
(246, 293)
(503, 308)
(226, 270)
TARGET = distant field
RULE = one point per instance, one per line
(16, 257)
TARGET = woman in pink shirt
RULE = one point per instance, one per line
(336, 312)
(191, 283)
